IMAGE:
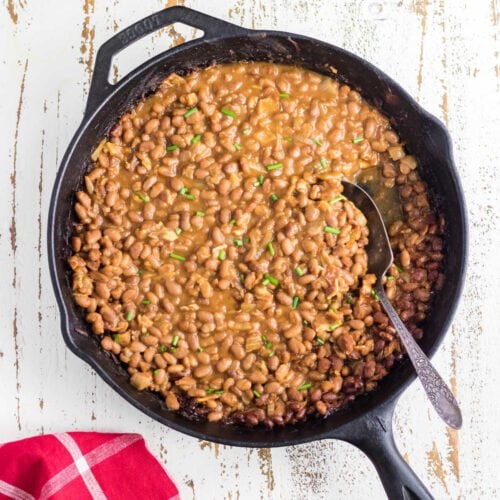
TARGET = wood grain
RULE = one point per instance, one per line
(444, 52)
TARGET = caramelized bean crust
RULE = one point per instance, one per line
(216, 257)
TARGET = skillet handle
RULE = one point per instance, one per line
(373, 435)
(212, 27)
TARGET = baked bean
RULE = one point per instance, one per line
(238, 351)
(172, 402)
(257, 377)
(107, 343)
(217, 236)
(152, 126)
(346, 343)
(140, 380)
(248, 362)
(273, 388)
(273, 363)
(405, 259)
(224, 364)
(202, 371)
(282, 372)
(287, 246)
(173, 288)
(149, 211)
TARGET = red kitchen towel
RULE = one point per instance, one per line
(82, 465)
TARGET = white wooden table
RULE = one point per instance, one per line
(446, 53)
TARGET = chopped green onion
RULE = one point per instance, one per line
(284, 95)
(318, 167)
(130, 315)
(265, 282)
(200, 349)
(163, 348)
(400, 269)
(266, 341)
(147, 334)
(116, 338)
(274, 197)
(155, 372)
(259, 181)
(146, 302)
(173, 349)
(271, 249)
(349, 299)
(332, 309)
(192, 111)
(222, 255)
(195, 139)
(178, 231)
(356, 140)
(245, 131)
(317, 142)
(173, 147)
(320, 341)
(334, 326)
(242, 277)
(214, 391)
(274, 166)
(295, 302)
(232, 222)
(331, 230)
(184, 191)
(389, 278)
(256, 393)
(175, 340)
(289, 139)
(237, 146)
(200, 214)
(272, 279)
(323, 162)
(142, 196)
(176, 256)
(299, 271)
(305, 322)
(304, 387)
(374, 294)
(338, 198)
(238, 243)
(227, 112)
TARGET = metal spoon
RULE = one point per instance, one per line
(380, 258)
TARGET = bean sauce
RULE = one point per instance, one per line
(216, 256)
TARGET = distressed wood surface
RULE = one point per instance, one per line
(445, 53)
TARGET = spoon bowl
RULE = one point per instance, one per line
(380, 256)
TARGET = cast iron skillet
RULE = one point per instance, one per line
(367, 423)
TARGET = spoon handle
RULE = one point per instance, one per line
(437, 391)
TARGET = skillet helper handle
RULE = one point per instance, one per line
(212, 27)
(373, 435)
